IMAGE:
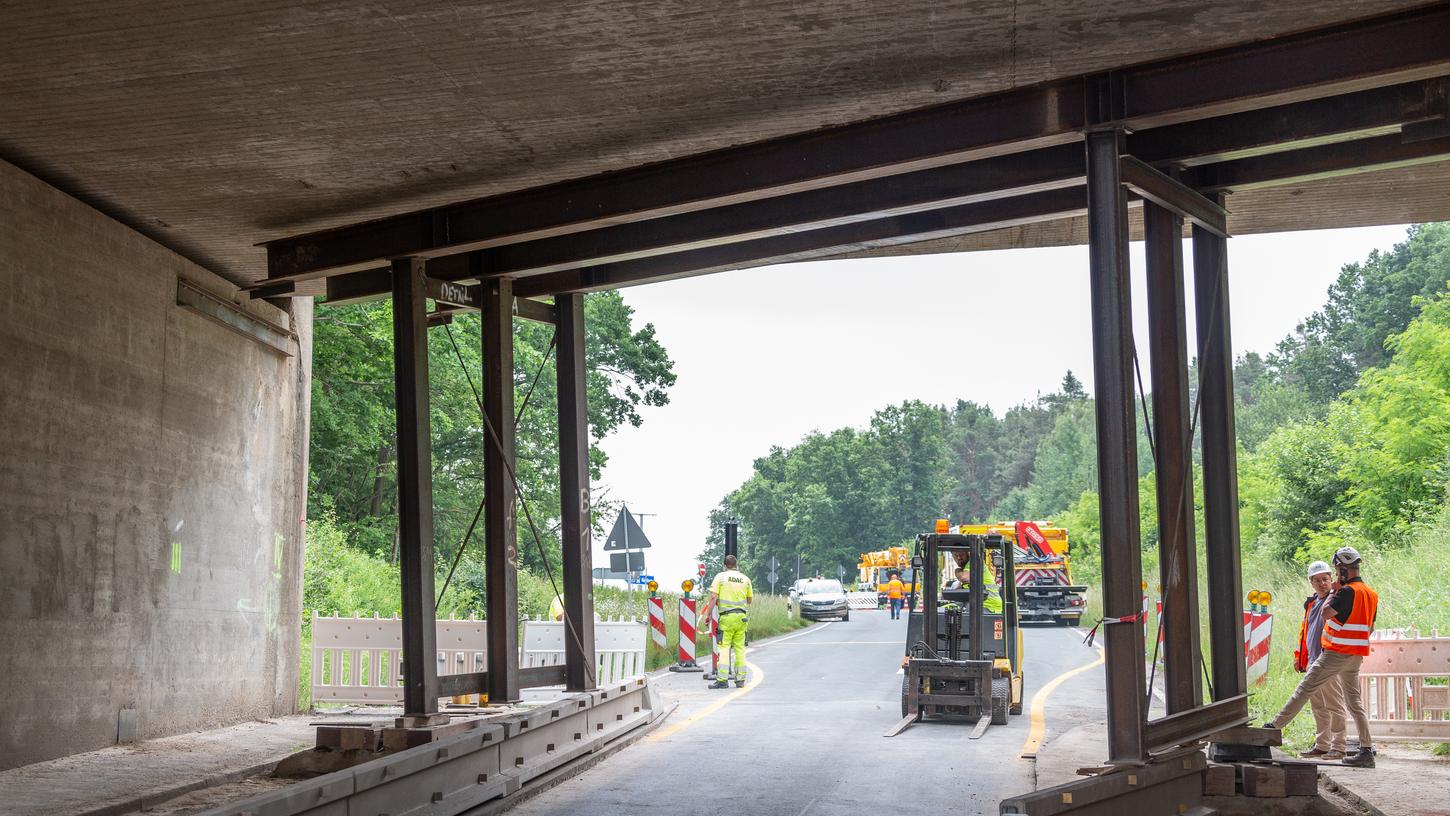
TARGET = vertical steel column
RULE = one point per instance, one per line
(415, 486)
(1177, 561)
(575, 524)
(500, 533)
(1220, 463)
(1112, 323)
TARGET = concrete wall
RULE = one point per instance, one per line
(152, 487)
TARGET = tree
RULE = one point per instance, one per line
(352, 453)
(1367, 304)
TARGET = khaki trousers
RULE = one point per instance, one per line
(1327, 703)
(1330, 666)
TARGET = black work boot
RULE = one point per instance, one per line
(721, 683)
(1363, 758)
(740, 684)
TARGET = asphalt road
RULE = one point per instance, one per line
(805, 737)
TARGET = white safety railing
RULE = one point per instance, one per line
(618, 648)
(861, 600)
(1405, 684)
(359, 660)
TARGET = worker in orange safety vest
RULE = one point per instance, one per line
(895, 590)
(1348, 624)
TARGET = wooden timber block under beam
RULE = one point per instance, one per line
(1220, 780)
(1249, 735)
(399, 739)
(347, 737)
(1264, 781)
(1300, 779)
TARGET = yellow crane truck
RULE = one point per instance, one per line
(1045, 591)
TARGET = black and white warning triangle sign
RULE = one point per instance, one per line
(626, 534)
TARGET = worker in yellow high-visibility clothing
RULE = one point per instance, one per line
(731, 593)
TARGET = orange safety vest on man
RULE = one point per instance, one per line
(1355, 604)
(894, 589)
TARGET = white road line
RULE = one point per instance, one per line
(774, 641)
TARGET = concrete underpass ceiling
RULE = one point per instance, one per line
(211, 127)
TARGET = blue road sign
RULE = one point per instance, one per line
(642, 579)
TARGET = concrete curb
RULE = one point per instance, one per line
(1337, 788)
(150, 799)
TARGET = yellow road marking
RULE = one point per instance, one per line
(756, 678)
(1039, 705)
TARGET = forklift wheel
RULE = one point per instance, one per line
(1001, 699)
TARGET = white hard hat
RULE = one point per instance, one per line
(1319, 568)
(1346, 557)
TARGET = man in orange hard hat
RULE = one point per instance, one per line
(895, 590)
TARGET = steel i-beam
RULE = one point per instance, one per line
(1173, 444)
(500, 534)
(575, 522)
(1117, 444)
(415, 487)
(1220, 464)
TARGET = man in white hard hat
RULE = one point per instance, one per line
(1327, 702)
(1348, 624)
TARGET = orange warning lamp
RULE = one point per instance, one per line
(1254, 597)
(942, 526)
(687, 586)
(1266, 597)
(654, 586)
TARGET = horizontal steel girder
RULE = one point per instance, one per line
(1344, 59)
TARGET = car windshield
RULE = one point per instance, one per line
(821, 586)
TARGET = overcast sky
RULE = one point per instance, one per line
(765, 356)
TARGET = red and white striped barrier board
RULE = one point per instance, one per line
(1041, 577)
(1257, 628)
(657, 621)
(687, 631)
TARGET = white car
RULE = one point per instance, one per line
(822, 598)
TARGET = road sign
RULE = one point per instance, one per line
(840, 573)
(626, 534)
(771, 576)
(642, 579)
(618, 563)
(702, 570)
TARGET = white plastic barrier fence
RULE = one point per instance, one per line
(618, 648)
(359, 660)
(861, 600)
(1405, 685)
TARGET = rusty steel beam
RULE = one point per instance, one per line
(574, 517)
(1376, 112)
(1388, 50)
(1284, 127)
(1112, 324)
(500, 531)
(1220, 464)
(1319, 162)
(1196, 723)
(415, 487)
(1173, 448)
(1169, 193)
(1046, 206)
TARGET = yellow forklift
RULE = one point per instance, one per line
(963, 661)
